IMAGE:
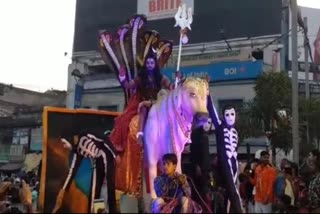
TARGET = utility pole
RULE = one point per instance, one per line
(306, 66)
(294, 68)
(306, 56)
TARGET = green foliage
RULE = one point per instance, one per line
(273, 91)
(249, 121)
(282, 137)
(310, 112)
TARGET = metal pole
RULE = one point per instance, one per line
(284, 31)
(306, 66)
(295, 113)
(306, 56)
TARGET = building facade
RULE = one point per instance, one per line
(21, 123)
(232, 51)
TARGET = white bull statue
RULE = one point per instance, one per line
(168, 125)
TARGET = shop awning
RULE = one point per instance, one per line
(11, 166)
(32, 161)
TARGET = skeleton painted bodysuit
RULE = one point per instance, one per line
(227, 143)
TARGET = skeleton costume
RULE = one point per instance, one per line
(227, 144)
(93, 144)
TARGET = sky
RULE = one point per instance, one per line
(309, 3)
(35, 34)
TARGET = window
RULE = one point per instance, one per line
(2, 87)
(109, 108)
(237, 103)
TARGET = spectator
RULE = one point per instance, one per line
(34, 198)
(218, 192)
(289, 190)
(243, 179)
(250, 191)
(314, 186)
(171, 186)
(280, 183)
(24, 195)
(313, 156)
(283, 205)
(264, 179)
(298, 185)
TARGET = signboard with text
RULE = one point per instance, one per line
(221, 71)
(161, 9)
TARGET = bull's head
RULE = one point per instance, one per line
(192, 99)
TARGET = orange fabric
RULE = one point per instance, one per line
(129, 171)
(123, 137)
(264, 179)
(119, 134)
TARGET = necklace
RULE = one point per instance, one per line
(182, 124)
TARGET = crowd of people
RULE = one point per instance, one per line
(19, 192)
(265, 189)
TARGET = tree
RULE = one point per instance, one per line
(273, 92)
(249, 121)
(310, 112)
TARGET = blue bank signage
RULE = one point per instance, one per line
(221, 71)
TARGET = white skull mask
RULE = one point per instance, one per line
(230, 116)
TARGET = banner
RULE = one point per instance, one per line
(221, 71)
(66, 123)
(161, 9)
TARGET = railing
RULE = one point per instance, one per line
(11, 152)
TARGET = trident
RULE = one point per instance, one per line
(183, 19)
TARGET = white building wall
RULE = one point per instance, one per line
(231, 91)
(103, 99)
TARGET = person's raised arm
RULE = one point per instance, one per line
(124, 82)
(213, 112)
(166, 83)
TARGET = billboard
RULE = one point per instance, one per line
(66, 123)
(161, 9)
(237, 19)
(226, 71)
